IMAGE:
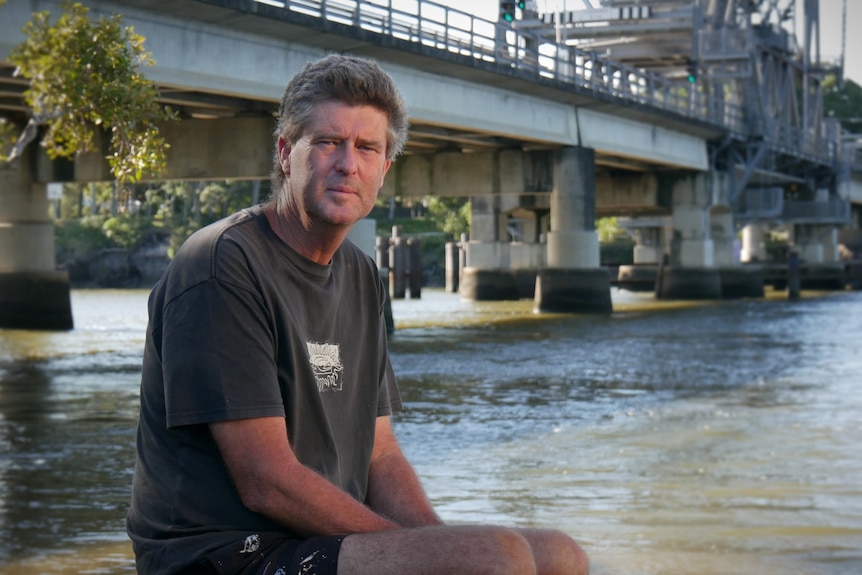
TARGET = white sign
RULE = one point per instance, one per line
(55, 191)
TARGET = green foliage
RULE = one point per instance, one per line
(451, 215)
(409, 226)
(185, 207)
(126, 230)
(97, 216)
(608, 230)
(844, 104)
(8, 131)
(75, 239)
(83, 78)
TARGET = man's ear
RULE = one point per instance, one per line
(386, 167)
(284, 155)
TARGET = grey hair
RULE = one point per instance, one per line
(338, 78)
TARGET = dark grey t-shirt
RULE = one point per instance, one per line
(241, 326)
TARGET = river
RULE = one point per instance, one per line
(669, 439)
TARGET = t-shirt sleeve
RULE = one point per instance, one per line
(390, 396)
(218, 356)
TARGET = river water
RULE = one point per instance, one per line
(669, 439)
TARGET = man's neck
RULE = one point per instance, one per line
(313, 240)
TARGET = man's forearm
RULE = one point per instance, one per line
(395, 492)
(320, 508)
(271, 481)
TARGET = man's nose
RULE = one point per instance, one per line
(348, 159)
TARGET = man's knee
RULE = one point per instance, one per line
(511, 553)
(556, 553)
(578, 557)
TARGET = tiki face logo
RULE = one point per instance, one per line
(325, 359)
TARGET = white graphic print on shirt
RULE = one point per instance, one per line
(325, 361)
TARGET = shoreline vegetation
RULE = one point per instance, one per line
(123, 237)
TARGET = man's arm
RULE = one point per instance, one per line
(272, 481)
(394, 490)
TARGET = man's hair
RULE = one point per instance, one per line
(338, 78)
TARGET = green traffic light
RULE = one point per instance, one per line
(508, 17)
(522, 5)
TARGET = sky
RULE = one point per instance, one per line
(830, 26)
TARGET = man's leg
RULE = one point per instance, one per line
(468, 550)
(556, 553)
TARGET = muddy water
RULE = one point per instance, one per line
(667, 438)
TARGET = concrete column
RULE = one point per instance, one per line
(364, 235)
(648, 246)
(753, 244)
(484, 219)
(486, 274)
(820, 267)
(572, 241)
(574, 281)
(691, 273)
(723, 236)
(809, 243)
(691, 245)
(33, 295)
(737, 281)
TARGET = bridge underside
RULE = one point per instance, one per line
(479, 129)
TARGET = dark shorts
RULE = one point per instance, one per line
(312, 556)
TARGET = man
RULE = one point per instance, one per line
(265, 444)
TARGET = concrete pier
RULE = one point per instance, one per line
(691, 273)
(488, 285)
(573, 281)
(742, 281)
(638, 277)
(822, 276)
(33, 295)
(690, 283)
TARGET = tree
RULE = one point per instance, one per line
(845, 104)
(83, 76)
(452, 215)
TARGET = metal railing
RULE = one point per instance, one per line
(534, 58)
(452, 30)
(760, 204)
(833, 210)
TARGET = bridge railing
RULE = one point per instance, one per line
(833, 210)
(453, 30)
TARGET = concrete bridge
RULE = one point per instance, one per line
(530, 130)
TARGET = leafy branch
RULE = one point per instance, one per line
(83, 77)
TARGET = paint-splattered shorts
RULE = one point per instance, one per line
(312, 556)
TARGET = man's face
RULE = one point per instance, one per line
(336, 168)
